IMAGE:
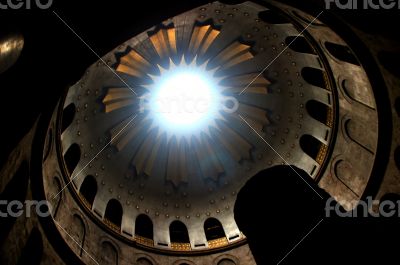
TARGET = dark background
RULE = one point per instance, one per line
(53, 58)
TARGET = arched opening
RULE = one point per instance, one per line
(144, 227)
(88, 190)
(341, 52)
(318, 111)
(178, 232)
(108, 254)
(77, 231)
(72, 157)
(33, 250)
(113, 215)
(67, 116)
(311, 146)
(57, 187)
(15, 190)
(299, 44)
(314, 76)
(213, 229)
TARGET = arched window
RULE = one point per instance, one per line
(213, 229)
(144, 226)
(318, 111)
(77, 231)
(67, 116)
(341, 52)
(88, 189)
(108, 254)
(313, 76)
(178, 232)
(114, 213)
(299, 44)
(311, 146)
(57, 187)
(72, 157)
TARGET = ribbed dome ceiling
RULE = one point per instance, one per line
(286, 115)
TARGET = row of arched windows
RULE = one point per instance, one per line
(144, 226)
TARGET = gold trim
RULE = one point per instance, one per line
(85, 202)
(144, 241)
(219, 242)
(329, 118)
(181, 246)
(111, 225)
(321, 154)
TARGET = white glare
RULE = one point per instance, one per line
(184, 99)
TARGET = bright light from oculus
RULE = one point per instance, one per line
(185, 99)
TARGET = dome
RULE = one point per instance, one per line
(170, 184)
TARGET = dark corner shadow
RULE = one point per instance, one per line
(275, 209)
(280, 213)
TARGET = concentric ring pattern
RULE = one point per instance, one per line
(286, 114)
